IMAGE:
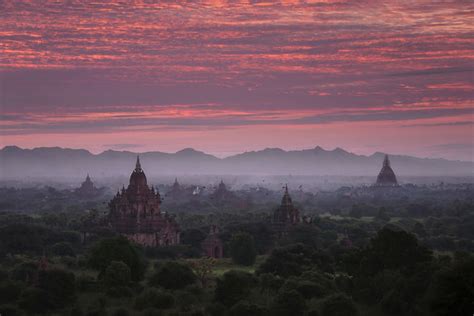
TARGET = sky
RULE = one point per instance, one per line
(231, 76)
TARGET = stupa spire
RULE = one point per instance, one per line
(138, 166)
(386, 161)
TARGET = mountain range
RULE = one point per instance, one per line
(53, 162)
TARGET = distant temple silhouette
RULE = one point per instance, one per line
(135, 213)
(285, 215)
(87, 189)
(222, 194)
(386, 175)
(176, 192)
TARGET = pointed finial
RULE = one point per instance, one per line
(286, 188)
(138, 166)
(386, 161)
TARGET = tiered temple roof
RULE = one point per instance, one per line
(135, 213)
(285, 215)
(87, 188)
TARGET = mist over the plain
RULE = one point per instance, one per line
(305, 169)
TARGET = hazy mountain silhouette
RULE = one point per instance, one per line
(17, 163)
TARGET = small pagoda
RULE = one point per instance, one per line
(87, 189)
(213, 246)
(285, 215)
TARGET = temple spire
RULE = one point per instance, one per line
(386, 161)
(138, 166)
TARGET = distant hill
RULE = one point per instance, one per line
(17, 163)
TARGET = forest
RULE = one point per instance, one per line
(356, 252)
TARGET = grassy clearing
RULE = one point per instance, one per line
(225, 264)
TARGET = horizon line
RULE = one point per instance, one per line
(236, 153)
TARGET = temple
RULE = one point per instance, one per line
(87, 189)
(135, 213)
(386, 176)
(222, 194)
(176, 192)
(285, 215)
(213, 246)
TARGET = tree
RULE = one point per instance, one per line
(173, 275)
(419, 229)
(10, 291)
(270, 282)
(305, 234)
(10, 310)
(287, 261)
(203, 268)
(59, 284)
(247, 309)
(117, 249)
(35, 301)
(25, 272)
(154, 298)
(242, 249)
(117, 274)
(394, 249)
(289, 303)
(452, 290)
(234, 286)
(382, 215)
(193, 237)
(23, 238)
(338, 305)
(63, 249)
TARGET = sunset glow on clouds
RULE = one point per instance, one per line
(230, 76)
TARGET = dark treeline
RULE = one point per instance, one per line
(357, 252)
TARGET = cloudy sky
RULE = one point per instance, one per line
(230, 76)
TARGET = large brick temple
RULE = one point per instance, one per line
(135, 213)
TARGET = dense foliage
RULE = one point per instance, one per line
(410, 253)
